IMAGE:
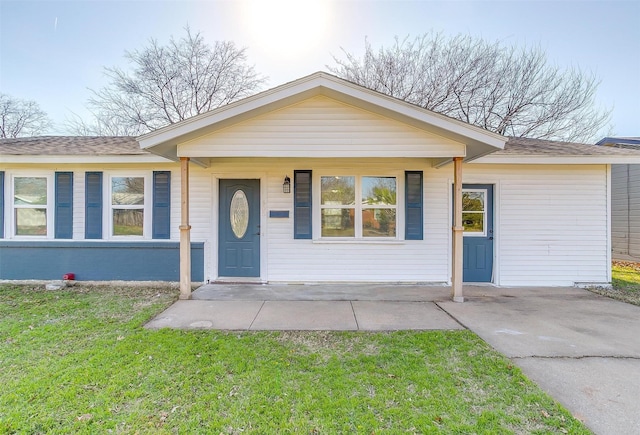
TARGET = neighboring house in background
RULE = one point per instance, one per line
(317, 180)
(625, 202)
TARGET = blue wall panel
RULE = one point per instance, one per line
(97, 261)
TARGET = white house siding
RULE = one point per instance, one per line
(320, 127)
(625, 210)
(291, 260)
(551, 222)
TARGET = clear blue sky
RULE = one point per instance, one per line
(54, 51)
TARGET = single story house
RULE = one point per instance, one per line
(625, 202)
(317, 180)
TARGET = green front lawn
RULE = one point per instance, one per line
(79, 361)
(625, 281)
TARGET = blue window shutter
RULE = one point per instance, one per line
(302, 205)
(93, 205)
(161, 228)
(413, 205)
(63, 215)
(1, 204)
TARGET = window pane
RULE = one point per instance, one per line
(239, 214)
(378, 222)
(473, 222)
(379, 190)
(30, 191)
(127, 222)
(31, 222)
(127, 191)
(473, 201)
(338, 190)
(338, 222)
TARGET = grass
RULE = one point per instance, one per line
(625, 282)
(78, 361)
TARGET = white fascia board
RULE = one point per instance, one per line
(151, 158)
(560, 160)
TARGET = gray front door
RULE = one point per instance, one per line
(239, 228)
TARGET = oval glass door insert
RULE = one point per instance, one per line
(239, 214)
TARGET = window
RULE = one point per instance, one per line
(379, 206)
(358, 207)
(31, 199)
(127, 206)
(474, 212)
(135, 205)
(337, 206)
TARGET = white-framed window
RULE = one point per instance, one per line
(128, 211)
(358, 206)
(32, 201)
(474, 212)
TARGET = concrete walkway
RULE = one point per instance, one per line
(310, 307)
(581, 348)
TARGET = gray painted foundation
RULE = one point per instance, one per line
(97, 261)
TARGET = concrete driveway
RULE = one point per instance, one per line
(581, 348)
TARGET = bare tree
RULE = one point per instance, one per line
(168, 84)
(19, 118)
(514, 92)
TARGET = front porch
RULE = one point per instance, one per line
(310, 133)
(323, 292)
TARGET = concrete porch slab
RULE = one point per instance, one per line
(394, 316)
(323, 292)
(306, 315)
(207, 315)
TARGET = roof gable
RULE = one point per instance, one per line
(477, 140)
(320, 127)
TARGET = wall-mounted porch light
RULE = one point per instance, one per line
(286, 186)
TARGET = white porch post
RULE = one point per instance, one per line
(185, 231)
(456, 279)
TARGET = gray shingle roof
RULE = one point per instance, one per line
(71, 145)
(127, 145)
(519, 146)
